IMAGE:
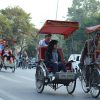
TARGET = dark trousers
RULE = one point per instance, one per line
(56, 67)
(87, 74)
(8, 57)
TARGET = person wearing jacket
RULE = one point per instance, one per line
(53, 58)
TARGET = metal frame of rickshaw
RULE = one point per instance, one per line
(94, 66)
(7, 64)
(65, 28)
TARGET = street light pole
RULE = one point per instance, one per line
(57, 8)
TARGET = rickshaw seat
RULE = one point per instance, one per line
(42, 51)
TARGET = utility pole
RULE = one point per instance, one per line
(57, 9)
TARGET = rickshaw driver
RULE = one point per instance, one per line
(89, 44)
(45, 41)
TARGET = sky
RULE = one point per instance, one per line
(40, 10)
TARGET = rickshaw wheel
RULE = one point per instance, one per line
(13, 69)
(0, 67)
(83, 84)
(40, 79)
(95, 92)
(95, 89)
(71, 87)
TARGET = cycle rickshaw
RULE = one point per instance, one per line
(7, 64)
(91, 62)
(67, 79)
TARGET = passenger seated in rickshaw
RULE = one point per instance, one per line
(7, 54)
(53, 58)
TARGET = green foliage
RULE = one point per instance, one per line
(82, 9)
(31, 50)
(16, 24)
(87, 13)
(5, 25)
(19, 18)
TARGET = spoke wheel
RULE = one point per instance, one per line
(40, 80)
(13, 69)
(71, 87)
(1, 66)
(83, 83)
(95, 92)
(95, 89)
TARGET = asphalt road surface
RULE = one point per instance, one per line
(21, 86)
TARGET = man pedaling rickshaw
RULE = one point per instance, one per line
(92, 46)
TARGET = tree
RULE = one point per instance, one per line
(18, 25)
(5, 25)
(87, 13)
(82, 9)
(20, 22)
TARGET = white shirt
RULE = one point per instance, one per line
(42, 43)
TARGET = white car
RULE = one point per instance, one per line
(76, 59)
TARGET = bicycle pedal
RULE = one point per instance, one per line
(98, 84)
(53, 78)
(88, 88)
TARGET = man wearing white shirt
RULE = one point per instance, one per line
(45, 41)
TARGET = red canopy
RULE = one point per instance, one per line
(65, 28)
(93, 29)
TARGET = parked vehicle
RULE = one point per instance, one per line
(76, 60)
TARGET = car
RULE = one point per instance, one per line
(76, 60)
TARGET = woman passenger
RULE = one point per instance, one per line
(7, 54)
(53, 58)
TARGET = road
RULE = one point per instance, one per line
(21, 86)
